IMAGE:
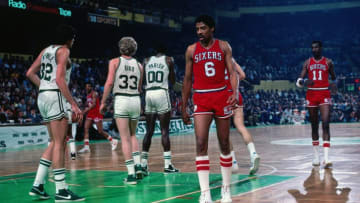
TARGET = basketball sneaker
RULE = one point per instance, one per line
(114, 143)
(145, 170)
(65, 195)
(73, 156)
(84, 150)
(316, 160)
(205, 197)
(171, 169)
(39, 192)
(255, 161)
(138, 172)
(225, 194)
(130, 180)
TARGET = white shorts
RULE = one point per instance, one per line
(127, 107)
(51, 105)
(157, 101)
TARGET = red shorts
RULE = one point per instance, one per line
(240, 104)
(314, 98)
(212, 103)
(95, 118)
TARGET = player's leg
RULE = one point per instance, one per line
(239, 124)
(325, 118)
(124, 131)
(165, 140)
(71, 132)
(223, 132)
(235, 165)
(135, 148)
(314, 120)
(150, 127)
(87, 125)
(99, 126)
(42, 171)
(202, 124)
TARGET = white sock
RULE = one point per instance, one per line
(72, 146)
(203, 170)
(326, 146)
(233, 156)
(73, 130)
(59, 177)
(42, 172)
(226, 164)
(86, 143)
(167, 159)
(130, 166)
(251, 148)
(136, 157)
(315, 144)
(144, 158)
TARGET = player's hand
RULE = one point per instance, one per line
(233, 100)
(102, 109)
(77, 112)
(185, 116)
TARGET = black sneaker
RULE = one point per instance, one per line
(130, 180)
(65, 195)
(39, 192)
(171, 169)
(145, 170)
(73, 156)
(138, 172)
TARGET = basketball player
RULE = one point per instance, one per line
(159, 69)
(53, 64)
(94, 116)
(318, 69)
(125, 79)
(238, 119)
(206, 61)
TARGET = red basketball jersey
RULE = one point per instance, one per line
(318, 71)
(94, 111)
(208, 67)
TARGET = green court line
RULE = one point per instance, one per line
(108, 186)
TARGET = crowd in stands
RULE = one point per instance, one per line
(18, 96)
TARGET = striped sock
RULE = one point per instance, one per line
(326, 146)
(144, 158)
(130, 166)
(167, 159)
(110, 138)
(203, 170)
(42, 172)
(86, 142)
(136, 157)
(59, 177)
(226, 164)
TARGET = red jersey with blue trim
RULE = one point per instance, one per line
(318, 71)
(209, 67)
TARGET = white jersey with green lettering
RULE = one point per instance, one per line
(157, 73)
(127, 77)
(48, 69)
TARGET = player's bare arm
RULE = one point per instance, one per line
(300, 82)
(225, 46)
(35, 68)
(109, 83)
(239, 70)
(141, 77)
(187, 83)
(170, 63)
(62, 57)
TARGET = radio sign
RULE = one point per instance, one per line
(17, 4)
(64, 12)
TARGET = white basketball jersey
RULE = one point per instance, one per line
(157, 73)
(48, 69)
(127, 77)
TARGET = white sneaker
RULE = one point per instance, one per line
(114, 143)
(235, 166)
(205, 197)
(316, 161)
(84, 150)
(327, 164)
(255, 162)
(225, 194)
